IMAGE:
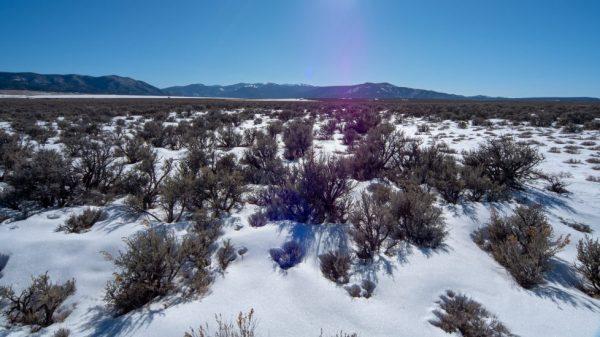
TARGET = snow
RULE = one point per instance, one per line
(300, 301)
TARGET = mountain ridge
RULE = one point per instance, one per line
(367, 90)
(118, 85)
(73, 83)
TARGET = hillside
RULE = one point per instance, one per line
(76, 84)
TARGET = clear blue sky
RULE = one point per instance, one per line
(504, 47)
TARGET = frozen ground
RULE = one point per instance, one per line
(301, 302)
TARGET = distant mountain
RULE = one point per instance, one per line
(272, 90)
(116, 85)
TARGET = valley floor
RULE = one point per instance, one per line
(300, 301)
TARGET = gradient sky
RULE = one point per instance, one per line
(505, 48)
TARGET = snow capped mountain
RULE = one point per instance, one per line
(273, 90)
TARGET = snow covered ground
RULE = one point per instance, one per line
(300, 301)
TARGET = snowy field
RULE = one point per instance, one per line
(300, 301)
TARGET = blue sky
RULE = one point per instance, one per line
(507, 48)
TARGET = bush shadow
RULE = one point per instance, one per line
(563, 287)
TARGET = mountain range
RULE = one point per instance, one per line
(82, 84)
(118, 85)
(272, 90)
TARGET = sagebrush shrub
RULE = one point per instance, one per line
(174, 191)
(143, 183)
(222, 188)
(588, 256)
(62, 332)
(349, 137)
(134, 149)
(98, 166)
(448, 181)
(368, 288)
(327, 129)
(263, 166)
(46, 178)
(257, 219)
(289, 255)
(284, 203)
(458, 313)
(335, 265)
(3, 262)
(297, 138)
(244, 326)
(377, 151)
(316, 191)
(478, 186)
(324, 183)
(227, 137)
(556, 184)
(416, 218)
(153, 133)
(340, 334)
(84, 221)
(145, 270)
(522, 243)
(274, 128)
(371, 227)
(197, 248)
(226, 254)
(38, 303)
(354, 290)
(505, 162)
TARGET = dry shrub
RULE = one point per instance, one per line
(522, 243)
(226, 254)
(365, 289)
(478, 186)
(146, 270)
(556, 183)
(198, 247)
(289, 255)
(46, 178)
(227, 137)
(244, 326)
(37, 304)
(62, 332)
(354, 290)
(297, 138)
(368, 288)
(263, 166)
(447, 180)
(222, 186)
(83, 221)
(134, 149)
(588, 255)
(376, 153)
(371, 227)
(316, 191)
(324, 183)
(335, 265)
(416, 218)
(593, 179)
(258, 219)
(458, 313)
(505, 162)
(3, 262)
(578, 226)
